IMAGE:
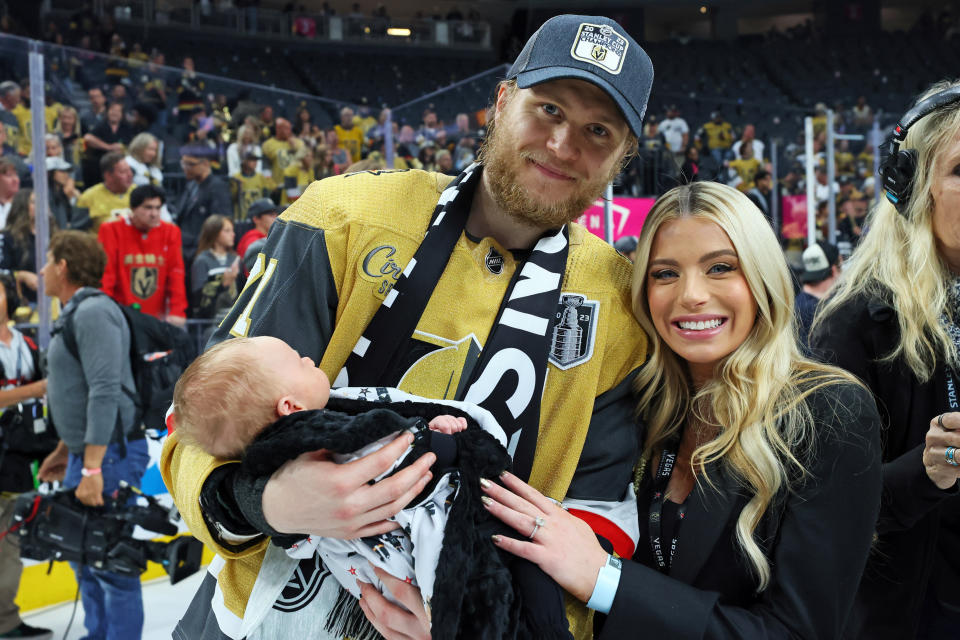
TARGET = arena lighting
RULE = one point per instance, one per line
(399, 32)
(703, 8)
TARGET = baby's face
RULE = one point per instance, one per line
(301, 377)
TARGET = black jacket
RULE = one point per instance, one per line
(905, 560)
(817, 539)
(199, 201)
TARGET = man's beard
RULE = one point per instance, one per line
(502, 164)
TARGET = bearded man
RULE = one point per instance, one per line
(477, 288)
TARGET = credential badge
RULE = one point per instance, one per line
(574, 331)
(601, 45)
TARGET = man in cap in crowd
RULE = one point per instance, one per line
(205, 195)
(249, 185)
(351, 277)
(64, 195)
(821, 268)
(262, 213)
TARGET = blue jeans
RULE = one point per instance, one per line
(112, 603)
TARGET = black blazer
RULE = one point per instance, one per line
(816, 538)
(906, 560)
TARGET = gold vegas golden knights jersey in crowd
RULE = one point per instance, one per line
(330, 260)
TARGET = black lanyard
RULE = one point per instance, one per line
(952, 404)
(668, 460)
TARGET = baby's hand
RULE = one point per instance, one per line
(448, 424)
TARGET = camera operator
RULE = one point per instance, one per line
(90, 401)
(19, 446)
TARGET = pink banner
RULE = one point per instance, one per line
(793, 214)
(628, 216)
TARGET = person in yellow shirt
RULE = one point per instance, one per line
(719, 136)
(364, 119)
(746, 167)
(349, 135)
(111, 198)
(283, 149)
(296, 178)
(248, 185)
(845, 162)
(51, 112)
(9, 99)
(22, 114)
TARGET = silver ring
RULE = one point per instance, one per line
(537, 523)
(554, 501)
(940, 421)
(950, 455)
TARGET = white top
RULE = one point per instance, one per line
(673, 130)
(234, 159)
(144, 173)
(758, 148)
(16, 360)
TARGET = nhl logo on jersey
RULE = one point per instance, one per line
(143, 281)
(600, 45)
(574, 330)
(494, 262)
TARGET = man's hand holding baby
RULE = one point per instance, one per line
(343, 504)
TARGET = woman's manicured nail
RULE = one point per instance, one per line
(486, 501)
(496, 539)
(485, 483)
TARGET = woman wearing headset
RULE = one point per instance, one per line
(894, 321)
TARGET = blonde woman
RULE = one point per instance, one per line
(68, 130)
(248, 141)
(894, 321)
(759, 481)
(143, 156)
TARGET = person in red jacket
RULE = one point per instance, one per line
(262, 213)
(145, 259)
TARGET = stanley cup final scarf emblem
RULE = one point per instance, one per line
(508, 380)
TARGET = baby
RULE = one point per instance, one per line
(270, 378)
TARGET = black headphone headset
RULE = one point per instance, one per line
(898, 169)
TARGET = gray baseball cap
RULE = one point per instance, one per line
(591, 48)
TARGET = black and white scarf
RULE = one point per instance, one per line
(508, 380)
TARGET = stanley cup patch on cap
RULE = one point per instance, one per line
(601, 45)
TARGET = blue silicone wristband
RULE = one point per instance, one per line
(608, 579)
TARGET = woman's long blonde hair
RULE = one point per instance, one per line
(756, 401)
(897, 260)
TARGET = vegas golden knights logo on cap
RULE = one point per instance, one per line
(600, 45)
